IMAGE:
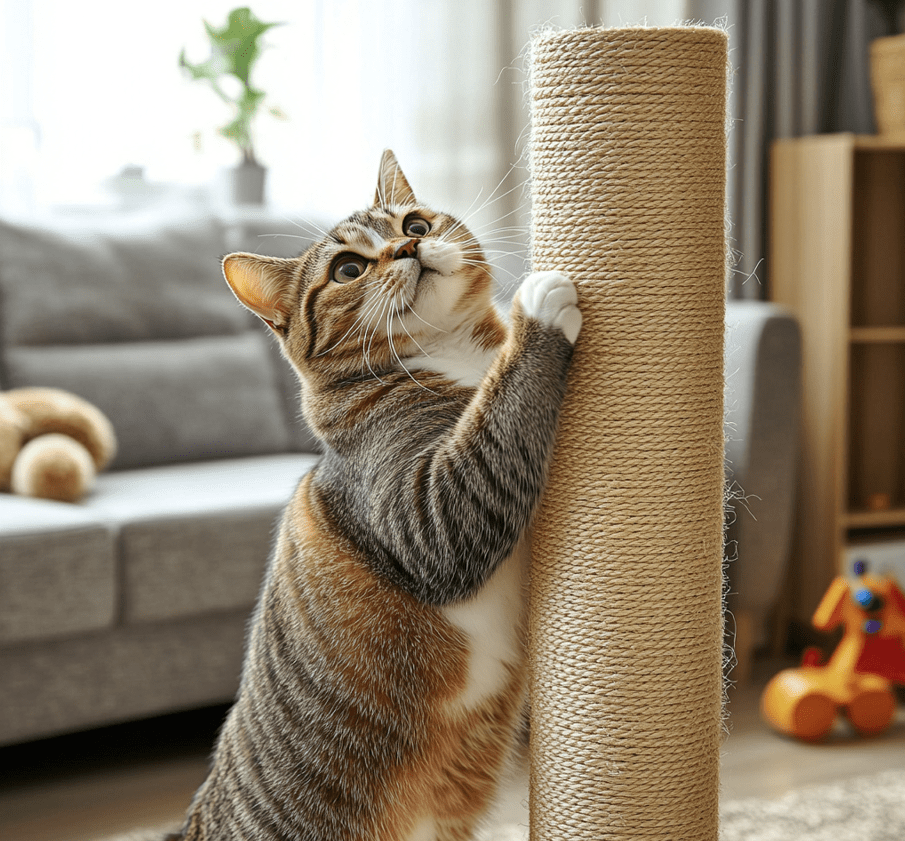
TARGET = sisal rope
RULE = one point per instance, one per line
(625, 629)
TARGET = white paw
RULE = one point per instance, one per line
(551, 298)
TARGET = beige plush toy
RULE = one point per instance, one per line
(52, 443)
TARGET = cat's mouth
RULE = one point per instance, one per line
(425, 271)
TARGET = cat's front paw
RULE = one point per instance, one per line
(551, 298)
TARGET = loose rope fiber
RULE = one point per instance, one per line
(625, 630)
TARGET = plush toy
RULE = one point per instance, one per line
(52, 443)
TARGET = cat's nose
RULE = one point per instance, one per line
(406, 248)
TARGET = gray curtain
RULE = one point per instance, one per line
(802, 68)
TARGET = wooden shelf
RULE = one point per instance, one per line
(877, 335)
(837, 259)
(874, 519)
(880, 143)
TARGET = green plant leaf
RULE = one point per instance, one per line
(235, 48)
(238, 41)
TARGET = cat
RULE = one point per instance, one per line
(384, 676)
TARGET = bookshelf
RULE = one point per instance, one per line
(837, 229)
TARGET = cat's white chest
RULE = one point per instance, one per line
(492, 623)
(456, 358)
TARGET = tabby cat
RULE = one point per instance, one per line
(385, 674)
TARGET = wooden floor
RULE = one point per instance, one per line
(91, 786)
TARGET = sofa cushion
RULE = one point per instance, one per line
(82, 287)
(191, 399)
(191, 535)
(131, 672)
(57, 570)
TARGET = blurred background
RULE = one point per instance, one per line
(96, 113)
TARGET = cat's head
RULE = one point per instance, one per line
(382, 284)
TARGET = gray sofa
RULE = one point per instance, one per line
(135, 601)
(762, 404)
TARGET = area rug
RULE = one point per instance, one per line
(861, 809)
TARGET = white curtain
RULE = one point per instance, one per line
(89, 88)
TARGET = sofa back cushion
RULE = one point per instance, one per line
(74, 287)
(179, 400)
(142, 324)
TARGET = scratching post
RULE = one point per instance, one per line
(628, 182)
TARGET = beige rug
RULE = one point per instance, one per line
(861, 809)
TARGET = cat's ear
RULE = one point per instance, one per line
(262, 284)
(392, 186)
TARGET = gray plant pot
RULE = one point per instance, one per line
(245, 183)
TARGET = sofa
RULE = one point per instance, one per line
(135, 602)
(761, 413)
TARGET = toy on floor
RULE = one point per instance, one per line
(858, 678)
(52, 443)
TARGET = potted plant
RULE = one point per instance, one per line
(234, 50)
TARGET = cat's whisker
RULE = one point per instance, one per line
(287, 236)
(367, 348)
(366, 313)
(400, 314)
(464, 216)
(501, 300)
(357, 322)
(491, 224)
(433, 326)
(364, 317)
(488, 201)
(493, 234)
(497, 269)
(307, 225)
(475, 261)
(500, 251)
(390, 316)
(487, 229)
(484, 242)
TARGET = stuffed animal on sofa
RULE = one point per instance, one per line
(52, 443)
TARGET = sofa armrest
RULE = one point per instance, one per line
(763, 382)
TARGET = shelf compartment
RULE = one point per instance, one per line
(874, 519)
(877, 335)
(876, 431)
(878, 239)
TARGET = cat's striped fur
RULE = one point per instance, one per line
(384, 676)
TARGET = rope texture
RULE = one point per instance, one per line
(628, 163)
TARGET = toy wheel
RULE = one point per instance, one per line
(871, 711)
(812, 717)
(795, 704)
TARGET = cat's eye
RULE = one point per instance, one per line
(348, 267)
(415, 226)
